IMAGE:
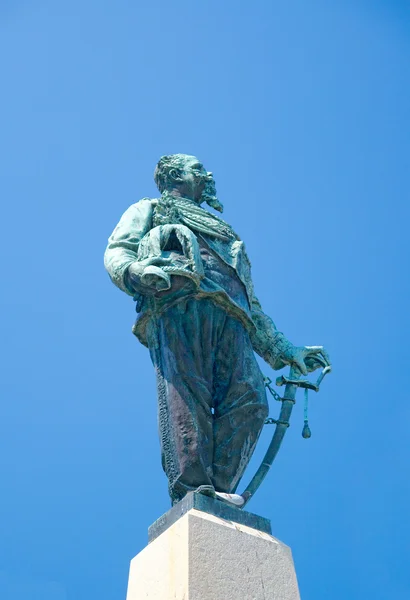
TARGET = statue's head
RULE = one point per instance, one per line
(186, 176)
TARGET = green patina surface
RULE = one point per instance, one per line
(190, 276)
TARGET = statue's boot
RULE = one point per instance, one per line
(232, 499)
(206, 490)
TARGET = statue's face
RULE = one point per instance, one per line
(194, 179)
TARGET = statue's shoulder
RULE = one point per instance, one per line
(138, 216)
(145, 203)
(141, 209)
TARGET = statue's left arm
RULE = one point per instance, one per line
(277, 350)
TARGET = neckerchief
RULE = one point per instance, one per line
(173, 209)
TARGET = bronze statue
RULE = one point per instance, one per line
(190, 276)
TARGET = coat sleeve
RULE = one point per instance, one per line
(266, 340)
(122, 249)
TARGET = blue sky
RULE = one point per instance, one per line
(301, 110)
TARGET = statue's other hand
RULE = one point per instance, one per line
(309, 358)
(146, 276)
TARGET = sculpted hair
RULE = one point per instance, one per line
(164, 166)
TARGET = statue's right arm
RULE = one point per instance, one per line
(122, 249)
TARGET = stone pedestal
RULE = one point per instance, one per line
(202, 556)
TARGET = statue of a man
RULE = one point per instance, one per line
(190, 275)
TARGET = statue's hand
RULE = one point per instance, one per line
(307, 358)
(147, 277)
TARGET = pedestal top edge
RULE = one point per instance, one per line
(210, 506)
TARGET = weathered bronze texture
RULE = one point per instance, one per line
(190, 276)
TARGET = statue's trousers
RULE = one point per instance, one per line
(211, 396)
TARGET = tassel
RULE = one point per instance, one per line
(306, 433)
